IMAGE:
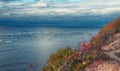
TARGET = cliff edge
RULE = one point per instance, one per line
(102, 53)
(109, 48)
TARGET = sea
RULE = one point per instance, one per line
(21, 47)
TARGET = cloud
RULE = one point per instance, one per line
(38, 5)
(56, 13)
(18, 0)
(41, 0)
(48, 8)
(7, 0)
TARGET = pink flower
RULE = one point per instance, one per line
(85, 46)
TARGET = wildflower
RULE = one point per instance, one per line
(84, 63)
(85, 47)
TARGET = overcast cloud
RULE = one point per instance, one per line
(58, 12)
(47, 7)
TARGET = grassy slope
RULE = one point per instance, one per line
(69, 60)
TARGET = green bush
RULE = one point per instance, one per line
(57, 59)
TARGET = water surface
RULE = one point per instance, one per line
(20, 47)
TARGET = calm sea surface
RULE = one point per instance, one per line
(20, 47)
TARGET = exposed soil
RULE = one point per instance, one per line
(105, 66)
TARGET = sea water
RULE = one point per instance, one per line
(20, 47)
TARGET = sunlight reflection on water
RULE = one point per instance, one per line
(20, 47)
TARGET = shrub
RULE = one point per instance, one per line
(55, 61)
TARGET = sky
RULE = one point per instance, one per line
(24, 11)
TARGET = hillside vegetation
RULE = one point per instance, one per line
(89, 52)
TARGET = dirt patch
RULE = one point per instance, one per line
(105, 66)
(117, 54)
